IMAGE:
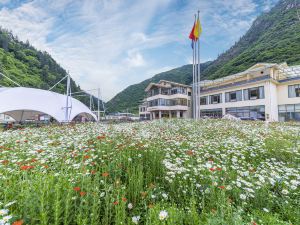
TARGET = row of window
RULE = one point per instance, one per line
(235, 96)
(168, 91)
(248, 112)
(169, 102)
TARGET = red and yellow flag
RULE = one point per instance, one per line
(196, 31)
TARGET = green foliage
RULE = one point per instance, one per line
(273, 38)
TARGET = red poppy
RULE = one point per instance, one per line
(18, 222)
(93, 171)
(101, 137)
(82, 193)
(116, 203)
(212, 169)
(25, 167)
(76, 188)
(105, 174)
(39, 151)
(219, 169)
(124, 199)
(221, 187)
(86, 157)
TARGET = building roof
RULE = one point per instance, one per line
(23, 103)
(159, 84)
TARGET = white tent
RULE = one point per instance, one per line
(27, 103)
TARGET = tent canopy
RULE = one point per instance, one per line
(25, 103)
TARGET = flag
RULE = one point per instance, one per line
(192, 34)
(197, 29)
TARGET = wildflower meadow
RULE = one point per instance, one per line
(159, 172)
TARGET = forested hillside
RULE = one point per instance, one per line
(29, 67)
(273, 37)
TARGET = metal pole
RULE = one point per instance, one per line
(199, 72)
(98, 104)
(193, 86)
(67, 101)
(10, 79)
(194, 79)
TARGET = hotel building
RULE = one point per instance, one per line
(263, 92)
(168, 99)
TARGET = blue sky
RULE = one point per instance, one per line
(115, 43)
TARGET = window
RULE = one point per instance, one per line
(294, 91)
(248, 112)
(212, 113)
(203, 100)
(254, 93)
(215, 99)
(165, 91)
(233, 96)
(189, 93)
(289, 112)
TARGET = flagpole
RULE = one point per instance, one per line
(193, 86)
(194, 78)
(199, 72)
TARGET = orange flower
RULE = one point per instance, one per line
(221, 187)
(101, 137)
(190, 153)
(124, 199)
(18, 222)
(39, 151)
(93, 171)
(105, 174)
(116, 203)
(76, 188)
(219, 169)
(5, 162)
(26, 167)
(86, 157)
(82, 193)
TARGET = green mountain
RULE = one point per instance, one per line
(274, 37)
(29, 67)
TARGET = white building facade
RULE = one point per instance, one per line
(168, 99)
(263, 92)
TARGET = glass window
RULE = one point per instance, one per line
(233, 96)
(294, 91)
(212, 113)
(248, 113)
(254, 93)
(289, 112)
(215, 99)
(203, 100)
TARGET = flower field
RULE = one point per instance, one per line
(160, 172)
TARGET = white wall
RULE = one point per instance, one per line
(243, 103)
(283, 97)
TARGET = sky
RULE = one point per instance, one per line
(111, 44)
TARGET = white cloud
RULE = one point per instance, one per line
(106, 43)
